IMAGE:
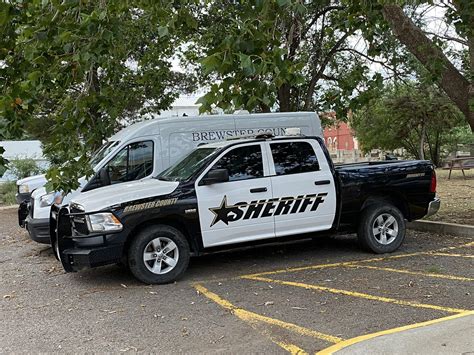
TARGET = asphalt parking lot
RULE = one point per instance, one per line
(299, 297)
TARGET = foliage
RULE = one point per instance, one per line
(74, 70)
(284, 55)
(23, 168)
(7, 193)
(447, 53)
(418, 118)
(458, 138)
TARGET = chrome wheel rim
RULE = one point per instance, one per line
(385, 228)
(161, 255)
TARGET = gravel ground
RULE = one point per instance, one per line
(105, 309)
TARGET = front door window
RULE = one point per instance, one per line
(133, 162)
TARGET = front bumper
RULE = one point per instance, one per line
(433, 207)
(80, 253)
(38, 228)
(77, 259)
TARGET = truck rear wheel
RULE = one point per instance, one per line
(158, 255)
(382, 228)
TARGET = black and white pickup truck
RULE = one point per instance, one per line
(234, 193)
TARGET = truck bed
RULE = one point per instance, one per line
(406, 182)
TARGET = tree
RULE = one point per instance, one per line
(451, 67)
(22, 168)
(78, 69)
(419, 118)
(286, 55)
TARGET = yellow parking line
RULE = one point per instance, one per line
(454, 255)
(470, 244)
(345, 263)
(402, 271)
(252, 317)
(291, 348)
(344, 344)
(357, 294)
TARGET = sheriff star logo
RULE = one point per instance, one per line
(223, 213)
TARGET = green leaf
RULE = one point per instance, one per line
(163, 31)
(282, 3)
(34, 76)
(210, 63)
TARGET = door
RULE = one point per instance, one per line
(236, 211)
(303, 185)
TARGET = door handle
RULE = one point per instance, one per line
(258, 189)
(322, 182)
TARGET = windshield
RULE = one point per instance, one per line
(102, 152)
(185, 168)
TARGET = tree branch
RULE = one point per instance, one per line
(317, 16)
(317, 75)
(454, 84)
(384, 64)
(448, 38)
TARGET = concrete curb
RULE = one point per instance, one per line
(8, 207)
(442, 227)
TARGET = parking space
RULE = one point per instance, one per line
(301, 297)
(292, 306)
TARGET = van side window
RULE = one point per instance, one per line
(133, 162)
(294, 158)
(242, 163)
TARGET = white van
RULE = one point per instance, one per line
(144, 149)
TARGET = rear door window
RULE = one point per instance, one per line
(294, 158)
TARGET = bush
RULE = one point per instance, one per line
(23, 168)
(7, 193)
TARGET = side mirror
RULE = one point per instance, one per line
(104, 176)
(215, 176)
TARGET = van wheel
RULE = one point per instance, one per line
(158, 255)
(382, 228)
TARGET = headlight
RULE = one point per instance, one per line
(23, 189)
(49, 199)
(103, 222)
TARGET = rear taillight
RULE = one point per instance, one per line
(433, 182)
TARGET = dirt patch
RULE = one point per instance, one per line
(457, 197)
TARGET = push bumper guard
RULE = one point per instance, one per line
(72, 256)
(23, 211)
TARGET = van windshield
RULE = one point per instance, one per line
(184, 169)
(102, 152)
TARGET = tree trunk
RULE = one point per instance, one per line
(94, 112)
(422, 143)
(456, 86)
(437, 148)
(284, 97)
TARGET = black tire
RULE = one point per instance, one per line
(136, 254)
(373, 242)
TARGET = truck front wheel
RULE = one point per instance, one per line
(158, 255)
(382, 228)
